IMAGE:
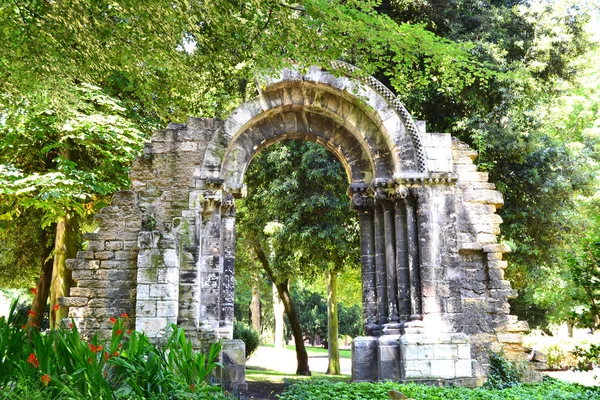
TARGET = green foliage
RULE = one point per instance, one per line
(64, 154)
(248, 335)
(325, 390)
(24, 247)
(313, 317)
(587, 358)
(60, 364)
(558, 357)
(502, 373)
(297, 211)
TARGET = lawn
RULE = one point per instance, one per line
(316, 351)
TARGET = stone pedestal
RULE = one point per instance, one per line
(365, 359)
(431, 356)
(388, 358)
(233, 358)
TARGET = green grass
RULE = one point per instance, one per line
(269, 375)
(316, 351)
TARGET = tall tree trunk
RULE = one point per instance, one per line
(278, 311)
(290, 311)
(65, 247)
(42, 291)
(255, 305)
(333, 367)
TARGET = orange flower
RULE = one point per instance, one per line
(45, 379)
(119, 332)
(95, 349)
(192, 386)
(31, 313)
(33, 290)
(106, 356)
(23, 326)
(71, 325)
(90, 360)
(56, 307)
(124, 315)
(113, 320)
(129, 332)
(33, 360)
(120, 345)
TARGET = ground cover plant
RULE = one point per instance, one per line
(59, 364)
(325, 390)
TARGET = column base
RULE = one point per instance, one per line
(233, 358)
(388, 358)
(364, 359)
(442, 356)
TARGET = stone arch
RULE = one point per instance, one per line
(372, 139)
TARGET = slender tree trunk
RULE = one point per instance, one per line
(278, 311)
(65, 247)
(290, 310)
(255, 305)
(333, 367)
(42, 291)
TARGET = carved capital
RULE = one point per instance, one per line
(402, 192)
(362, 202)
(228, 206)
(211, 199)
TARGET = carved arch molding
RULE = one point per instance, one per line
(434, 295)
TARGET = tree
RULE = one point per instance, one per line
(539, 50)
(297, 220)
(62, 158)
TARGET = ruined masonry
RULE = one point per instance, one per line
(434, 294)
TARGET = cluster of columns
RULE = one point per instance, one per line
(391, 266)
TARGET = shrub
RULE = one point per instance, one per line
(587, 358)
(326, 390)
(503, 373)
(248, 335)
(59, 364)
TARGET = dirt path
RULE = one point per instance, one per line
(262, 391)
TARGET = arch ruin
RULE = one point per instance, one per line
(434, 294)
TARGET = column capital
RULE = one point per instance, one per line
(361, 197)
(228, 205)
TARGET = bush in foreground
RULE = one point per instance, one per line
(59, 364)
(325, 390)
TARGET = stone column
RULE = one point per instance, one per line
(227, 275)
(380, 266)
(414, 262)
(390, 259)
(363, 204)
(402, 271)
(365, 348)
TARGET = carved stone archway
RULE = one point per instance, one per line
(434, 297)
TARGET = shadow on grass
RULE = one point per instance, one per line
(258, 374)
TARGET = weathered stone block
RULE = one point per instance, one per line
(166, 308)
(104, 255)
(463, 368)
(146, 308)
(164, 292)
(364, 359)
(445, 352)
(73, 301)
(443, 369)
